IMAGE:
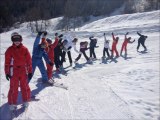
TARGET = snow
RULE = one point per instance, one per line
(126, 89)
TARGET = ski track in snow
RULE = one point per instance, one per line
(120, 89)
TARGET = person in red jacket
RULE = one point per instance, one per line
(18, 58)
(114, 44)
(50, 52)
(124, 45)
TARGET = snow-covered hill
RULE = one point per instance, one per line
(122, 89)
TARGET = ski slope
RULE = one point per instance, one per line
(123, 89)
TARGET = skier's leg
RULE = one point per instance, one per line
(84, 53)
(43, 71)
(117, 54)
(56, 61)
(25, 89)
(70, 57)
(49, 71)
(90, 51)
(125, 50)
(122, 49)
(113, 52)
(142, 43)
(79, 56)
(138, 45)
(94, 55)
(103, 52)
(108, 53)
(34, 64)
(63, 56)
(13, 90)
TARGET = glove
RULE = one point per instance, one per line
(51, 64)
(40, 33)
(127, 33)
(45, 33)
(8, 77)
(61, 35)
(29, 77)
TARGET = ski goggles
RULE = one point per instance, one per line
(16, 39)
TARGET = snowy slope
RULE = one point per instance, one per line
(121, 89)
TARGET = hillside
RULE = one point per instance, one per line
(120, 89)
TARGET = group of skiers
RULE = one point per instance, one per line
(20, 67)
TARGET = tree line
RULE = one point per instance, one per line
(75, 11)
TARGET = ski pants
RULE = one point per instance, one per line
(39, 63)
(84, 53)
(106, 50)
(114, 49)
(141, 43)
(69, 56)
(124, 47)
(49, 70)
(19, 79)
(58, 62)
(92, 52)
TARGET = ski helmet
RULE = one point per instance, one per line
(49, 40)
(65, 42)
(16, 37)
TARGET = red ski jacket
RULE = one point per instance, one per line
(50, 49)
(20, 57)
(114, 42)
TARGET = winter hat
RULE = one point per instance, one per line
(16, 37)
(49, 40)
(56, 34)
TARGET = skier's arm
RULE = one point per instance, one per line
(55, 43)
(7, 63)
(126, 35)
(91, 38)
(37, 40)
(105, 37)
(28, 61)
(132, 41)
(139, 34)
(113, 37)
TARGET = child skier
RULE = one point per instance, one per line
(67, 45)
(18, 57)
(106, 47)
(58, 56)
(114, 44)
(50, 52)
(124, 45)
(38, 53)
(93, 42)
(141, 41)
(83, 48)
